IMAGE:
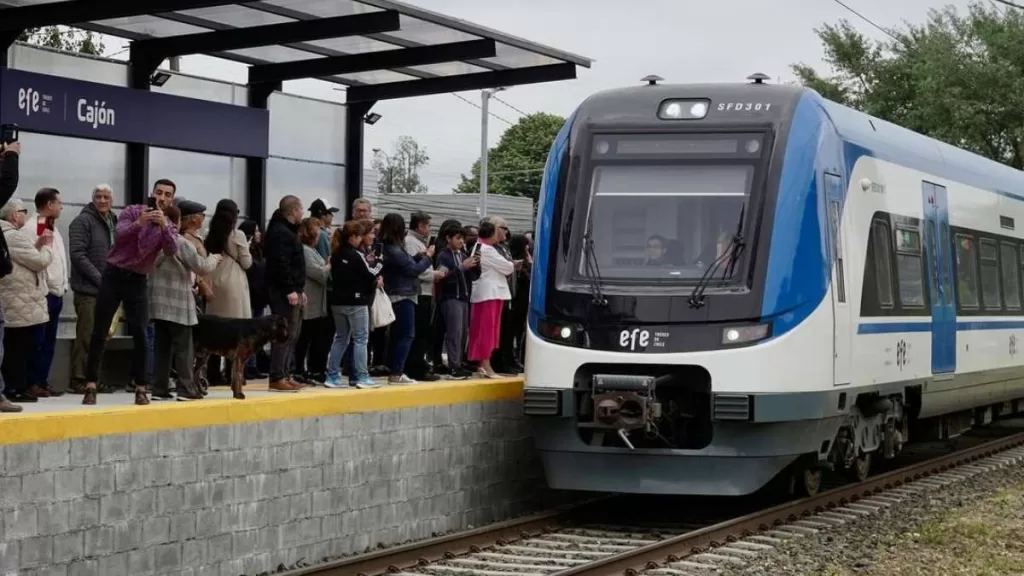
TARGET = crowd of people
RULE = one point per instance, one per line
(363, 299)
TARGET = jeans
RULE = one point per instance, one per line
(124, 288)
(351, 323)
(402, 331)
(423, 338)
(456, 319)
(282, 353)
(85, 308)
(1, 355)
(45, 339)
(173, 345)
(19, 343)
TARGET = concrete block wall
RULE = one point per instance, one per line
(248, 498)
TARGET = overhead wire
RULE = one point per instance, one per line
(495, 96)
(1009, 3)
(478, 107)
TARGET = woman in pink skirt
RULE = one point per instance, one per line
(489, 293)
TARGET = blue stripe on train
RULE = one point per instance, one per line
(899, 327)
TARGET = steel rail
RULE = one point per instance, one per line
(673, 549)
(409, 556)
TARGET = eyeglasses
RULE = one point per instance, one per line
(23, 211)
(654, 246)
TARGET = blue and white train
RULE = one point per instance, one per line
(743, 284)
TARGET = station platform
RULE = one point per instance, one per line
(224, 486)
(116, 413)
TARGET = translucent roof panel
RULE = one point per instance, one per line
(418, 29)
(324, 8)
(236, 16)
(375, 77)
(151, 26)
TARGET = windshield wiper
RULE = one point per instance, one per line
(591, 269)
(732, 253)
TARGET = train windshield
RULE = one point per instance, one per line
(666, 222)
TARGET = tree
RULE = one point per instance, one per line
(957, 78)
(516, 165)
(63, 38)
(399, 171)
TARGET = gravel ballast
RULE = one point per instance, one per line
(968, 527)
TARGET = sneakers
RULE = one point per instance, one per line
(366, 384)
(333, 382)
(461, 374)
(402, 380)
(6, 407)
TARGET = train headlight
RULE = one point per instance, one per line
(683, 109)
(744, 334)
(566, 333)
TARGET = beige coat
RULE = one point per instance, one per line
(230, 284)
(23, 291)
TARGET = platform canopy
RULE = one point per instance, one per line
(380, 49)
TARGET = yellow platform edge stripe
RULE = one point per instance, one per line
(310, 402)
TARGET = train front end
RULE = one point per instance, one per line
(680, 330)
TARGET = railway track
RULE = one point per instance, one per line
(585, 540)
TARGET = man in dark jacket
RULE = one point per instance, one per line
(8, 185)
(286, 278)
(90, 236)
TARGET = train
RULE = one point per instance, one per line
(744, 286)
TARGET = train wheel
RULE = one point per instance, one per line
(807, 482)
(861, 467)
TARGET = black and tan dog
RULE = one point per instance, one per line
(237, 338)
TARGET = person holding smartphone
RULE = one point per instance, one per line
(454, 297)
(48, 210)
(142, 232)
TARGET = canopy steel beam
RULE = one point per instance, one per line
(282, 33)
(369, 61)
(462, 82)
(78, 11)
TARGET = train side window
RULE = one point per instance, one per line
(966, 271)
(1011, 278)
(883, 267)
(908, 267)
(990, 297)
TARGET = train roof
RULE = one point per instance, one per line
(882, 139)
(894, 143)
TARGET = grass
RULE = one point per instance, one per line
(983, 539)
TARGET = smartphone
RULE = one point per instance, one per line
(431, 241)
(41, 225)
(9, 133)
(473, 251)
(378, 249)
(151, 202)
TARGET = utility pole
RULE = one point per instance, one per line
(485, 100)
(390, 170)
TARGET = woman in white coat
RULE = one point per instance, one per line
(487, 297)
(23, 298)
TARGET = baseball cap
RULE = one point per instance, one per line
(321, 207)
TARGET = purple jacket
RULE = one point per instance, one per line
(136, 247)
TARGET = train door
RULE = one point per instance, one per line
(938, 249)
(840, 308)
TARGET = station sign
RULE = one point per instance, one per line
(67, 107)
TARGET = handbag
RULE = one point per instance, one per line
(115, 322)
(381, 313)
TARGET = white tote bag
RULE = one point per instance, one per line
(381, 313)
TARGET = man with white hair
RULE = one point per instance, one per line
(90, 237)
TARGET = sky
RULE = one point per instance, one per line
(680, 40)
